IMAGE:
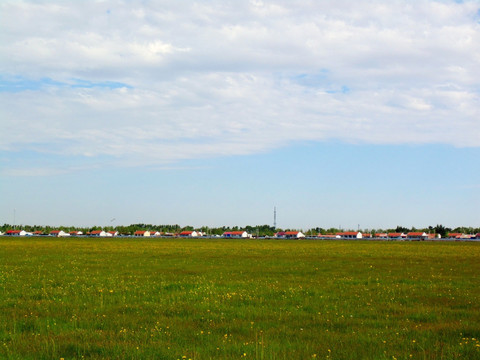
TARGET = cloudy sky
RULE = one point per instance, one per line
(339, 113)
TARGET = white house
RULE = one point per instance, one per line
(141, 233)
(98, 233)
(350, 235)
(59, 233)
(189, 234)
(236, 234)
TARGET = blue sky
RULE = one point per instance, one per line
(337, 113)
(315, 184)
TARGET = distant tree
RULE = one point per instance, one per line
(5, 227)
(466, 230)
(333, 231)
(442, 230)
(261, 230)
(319, 230)
(401, 229)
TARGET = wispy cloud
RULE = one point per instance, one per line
(34, 172)
(18, 83)
(151, 83)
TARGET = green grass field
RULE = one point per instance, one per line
(234, 299)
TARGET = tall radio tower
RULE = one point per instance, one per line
(274, 217)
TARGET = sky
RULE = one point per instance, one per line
(351, 114)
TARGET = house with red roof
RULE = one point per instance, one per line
(294, 235)
(397, 236)
(14, 232)
(98, 233)
(328, 236)
(415, 235)
(455, 235)
(289, 235)
(188, 233)
(462, 236)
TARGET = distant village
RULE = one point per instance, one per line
(243, 234)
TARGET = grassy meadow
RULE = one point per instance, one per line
(238, 299)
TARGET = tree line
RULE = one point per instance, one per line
(260, 230)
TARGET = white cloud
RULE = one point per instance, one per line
(225, 78)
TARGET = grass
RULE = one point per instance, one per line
(233, 299)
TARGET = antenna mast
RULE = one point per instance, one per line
(274, 217)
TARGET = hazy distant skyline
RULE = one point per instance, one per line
(212, 113)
